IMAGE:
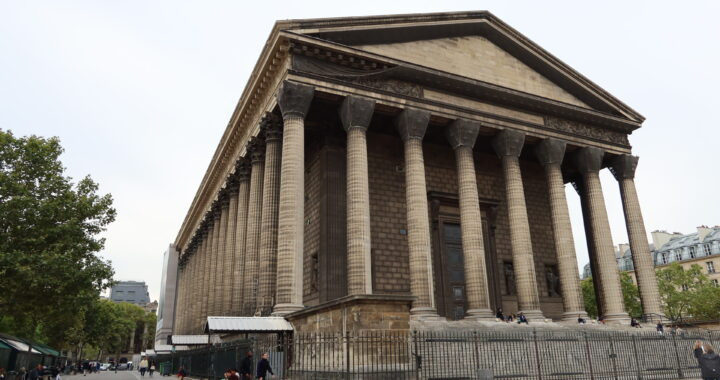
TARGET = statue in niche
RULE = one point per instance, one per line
(509, 273)
(552, 280)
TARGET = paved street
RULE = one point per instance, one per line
(110, 375)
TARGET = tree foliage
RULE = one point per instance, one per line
(49, 229)
(688, 293)
(631, 296)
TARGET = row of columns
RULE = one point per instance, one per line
(254, 235)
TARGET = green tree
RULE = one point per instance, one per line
(688, 292)
(49, 240)
(630, 292)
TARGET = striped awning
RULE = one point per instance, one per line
(247, 324)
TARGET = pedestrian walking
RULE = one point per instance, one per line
(708, 360)
(263, 368)
(55, 373)
(246, 367)
(151, 369)
(182, 373)
(143, 367)
(232, 374)
(35, 373)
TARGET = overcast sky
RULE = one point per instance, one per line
(140, 92)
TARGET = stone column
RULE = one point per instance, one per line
(294, 100)
(623, 168)
(355, 115)
(256, 149)
(461, 135)
(550, 153)
(411, 125)
(229, 257)
(185, 297)
(589, 162)
(194, 285)
(508, 145)
(242, 171)
(204, 273)
(213, 257)
(179, 323)
(272, 129)
(221, 255)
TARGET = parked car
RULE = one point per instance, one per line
(122, 366)
(104, 366)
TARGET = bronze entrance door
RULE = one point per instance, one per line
(448, 258)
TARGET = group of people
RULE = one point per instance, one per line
(146, 366)
(246, 369)
(519, 318)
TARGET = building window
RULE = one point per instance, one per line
(664, 258)
(131, 291)
(678, 255)
(710, 267)
(706, 248)
(691, 250)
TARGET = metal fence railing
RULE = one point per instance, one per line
(493, 354)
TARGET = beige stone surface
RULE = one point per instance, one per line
(269, 225)
(252, 236)
(240, 233)
(291, 217)
(605, 251)
(204, 280)
(642, 259)
(213, 265)
(477, 58)
(229, 254)
(358, 213)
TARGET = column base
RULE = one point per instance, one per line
(617, 319)
(572, 316)
(533, 315)
(423, 314)
(484, 315)
(283, 309)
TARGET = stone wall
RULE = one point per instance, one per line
(388, 214)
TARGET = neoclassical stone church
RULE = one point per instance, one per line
(389, 169)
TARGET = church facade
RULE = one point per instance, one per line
(389, 169)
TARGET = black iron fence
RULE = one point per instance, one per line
(495, 354)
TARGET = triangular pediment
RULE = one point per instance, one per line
(477, 58)
(475, 45)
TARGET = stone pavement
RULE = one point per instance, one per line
(111, 375)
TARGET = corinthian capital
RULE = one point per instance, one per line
(412, 123)
(623, 166)
(508, 143)
(356, 112)
(294, 99)
(462, 132)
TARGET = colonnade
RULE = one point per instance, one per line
(246, 257)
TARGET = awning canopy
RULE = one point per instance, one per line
(247, 324)
(190, 339)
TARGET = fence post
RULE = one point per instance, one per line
(537, 354)
(612, 358)
(637, 357)
(347, 354)
(677, 357)
(477, 351)
(587, 349)
(418, 358)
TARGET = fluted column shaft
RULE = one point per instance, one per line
(239, 274)
(550, 153)
(229, 252)
(214, 267)
(589, 162)
(180, 303)
(411, 125)
(624, 170)
(272, 128)
(205, 275)
(294, 101)
(252, 236)
(461, 135)
(356, 114)
(508, 145)
(192, 304)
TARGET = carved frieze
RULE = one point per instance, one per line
(390, 85)
(584, 130)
